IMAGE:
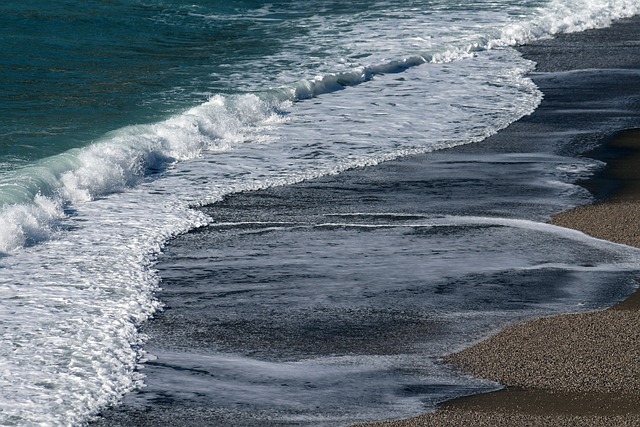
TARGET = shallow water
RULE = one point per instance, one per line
(331, 302)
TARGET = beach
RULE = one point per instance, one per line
(276, 214)
(245, 352)
(574, 369)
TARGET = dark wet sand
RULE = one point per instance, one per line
(576, 369)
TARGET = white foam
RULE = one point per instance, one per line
(70, 309)
(560, 16)
(23, 224)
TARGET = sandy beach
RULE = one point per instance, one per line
(574, 369)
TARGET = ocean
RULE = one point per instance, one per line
(186, 162)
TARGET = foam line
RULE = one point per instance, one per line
(126, 157)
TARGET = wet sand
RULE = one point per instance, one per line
(575, 369)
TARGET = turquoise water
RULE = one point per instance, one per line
(117, 117)
(72, 71)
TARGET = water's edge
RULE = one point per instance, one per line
(561, 125)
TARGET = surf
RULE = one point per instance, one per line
(80, 231)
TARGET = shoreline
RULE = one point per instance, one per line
(569, 369)
(465, 175)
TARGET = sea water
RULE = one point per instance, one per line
(118, 118)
